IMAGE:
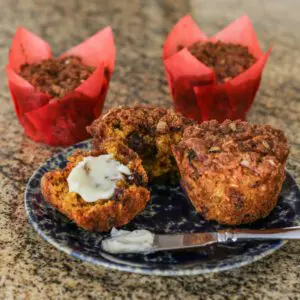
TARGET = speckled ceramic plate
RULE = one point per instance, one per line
(167, 212)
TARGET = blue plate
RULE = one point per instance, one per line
(168, 212)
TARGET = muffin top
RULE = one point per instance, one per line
(232, 144)
(228, 60)
(57, 77)
(144, 119)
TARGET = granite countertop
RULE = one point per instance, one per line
(30, 268)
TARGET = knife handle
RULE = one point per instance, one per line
(233, 235)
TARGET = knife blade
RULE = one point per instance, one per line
(182, 241)
(190, 240)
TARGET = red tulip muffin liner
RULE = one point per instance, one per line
(193, 85)
(60, 121)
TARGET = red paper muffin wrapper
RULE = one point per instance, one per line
(60, 122)
(193, 86)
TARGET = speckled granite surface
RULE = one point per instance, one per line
(32, 269)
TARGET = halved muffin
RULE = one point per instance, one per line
(232, 172)
(129, 197)
(147, 130)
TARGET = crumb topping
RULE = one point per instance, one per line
(237, 136)
(228, 60)
(57, 77)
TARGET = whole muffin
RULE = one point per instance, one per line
(147, 130)
(232, 172)
(129, 198)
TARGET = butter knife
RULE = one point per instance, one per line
(192, 240)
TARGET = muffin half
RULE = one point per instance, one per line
(125, 191)
(147, 130)
(232, 172)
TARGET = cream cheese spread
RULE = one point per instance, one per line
(123, 241)
(95, 178)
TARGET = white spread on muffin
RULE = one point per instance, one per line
(95, 178)
(123, 241)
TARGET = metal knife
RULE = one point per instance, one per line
(193, 240)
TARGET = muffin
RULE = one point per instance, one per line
(128, 197)
(147, 130)
(232, 172)
(56, 98)
(217, 77)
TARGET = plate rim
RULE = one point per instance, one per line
(101, 261)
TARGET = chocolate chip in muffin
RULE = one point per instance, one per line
(191, 155)
(117, 125)
(136, 142)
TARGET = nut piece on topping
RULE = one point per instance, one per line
(236, 171)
